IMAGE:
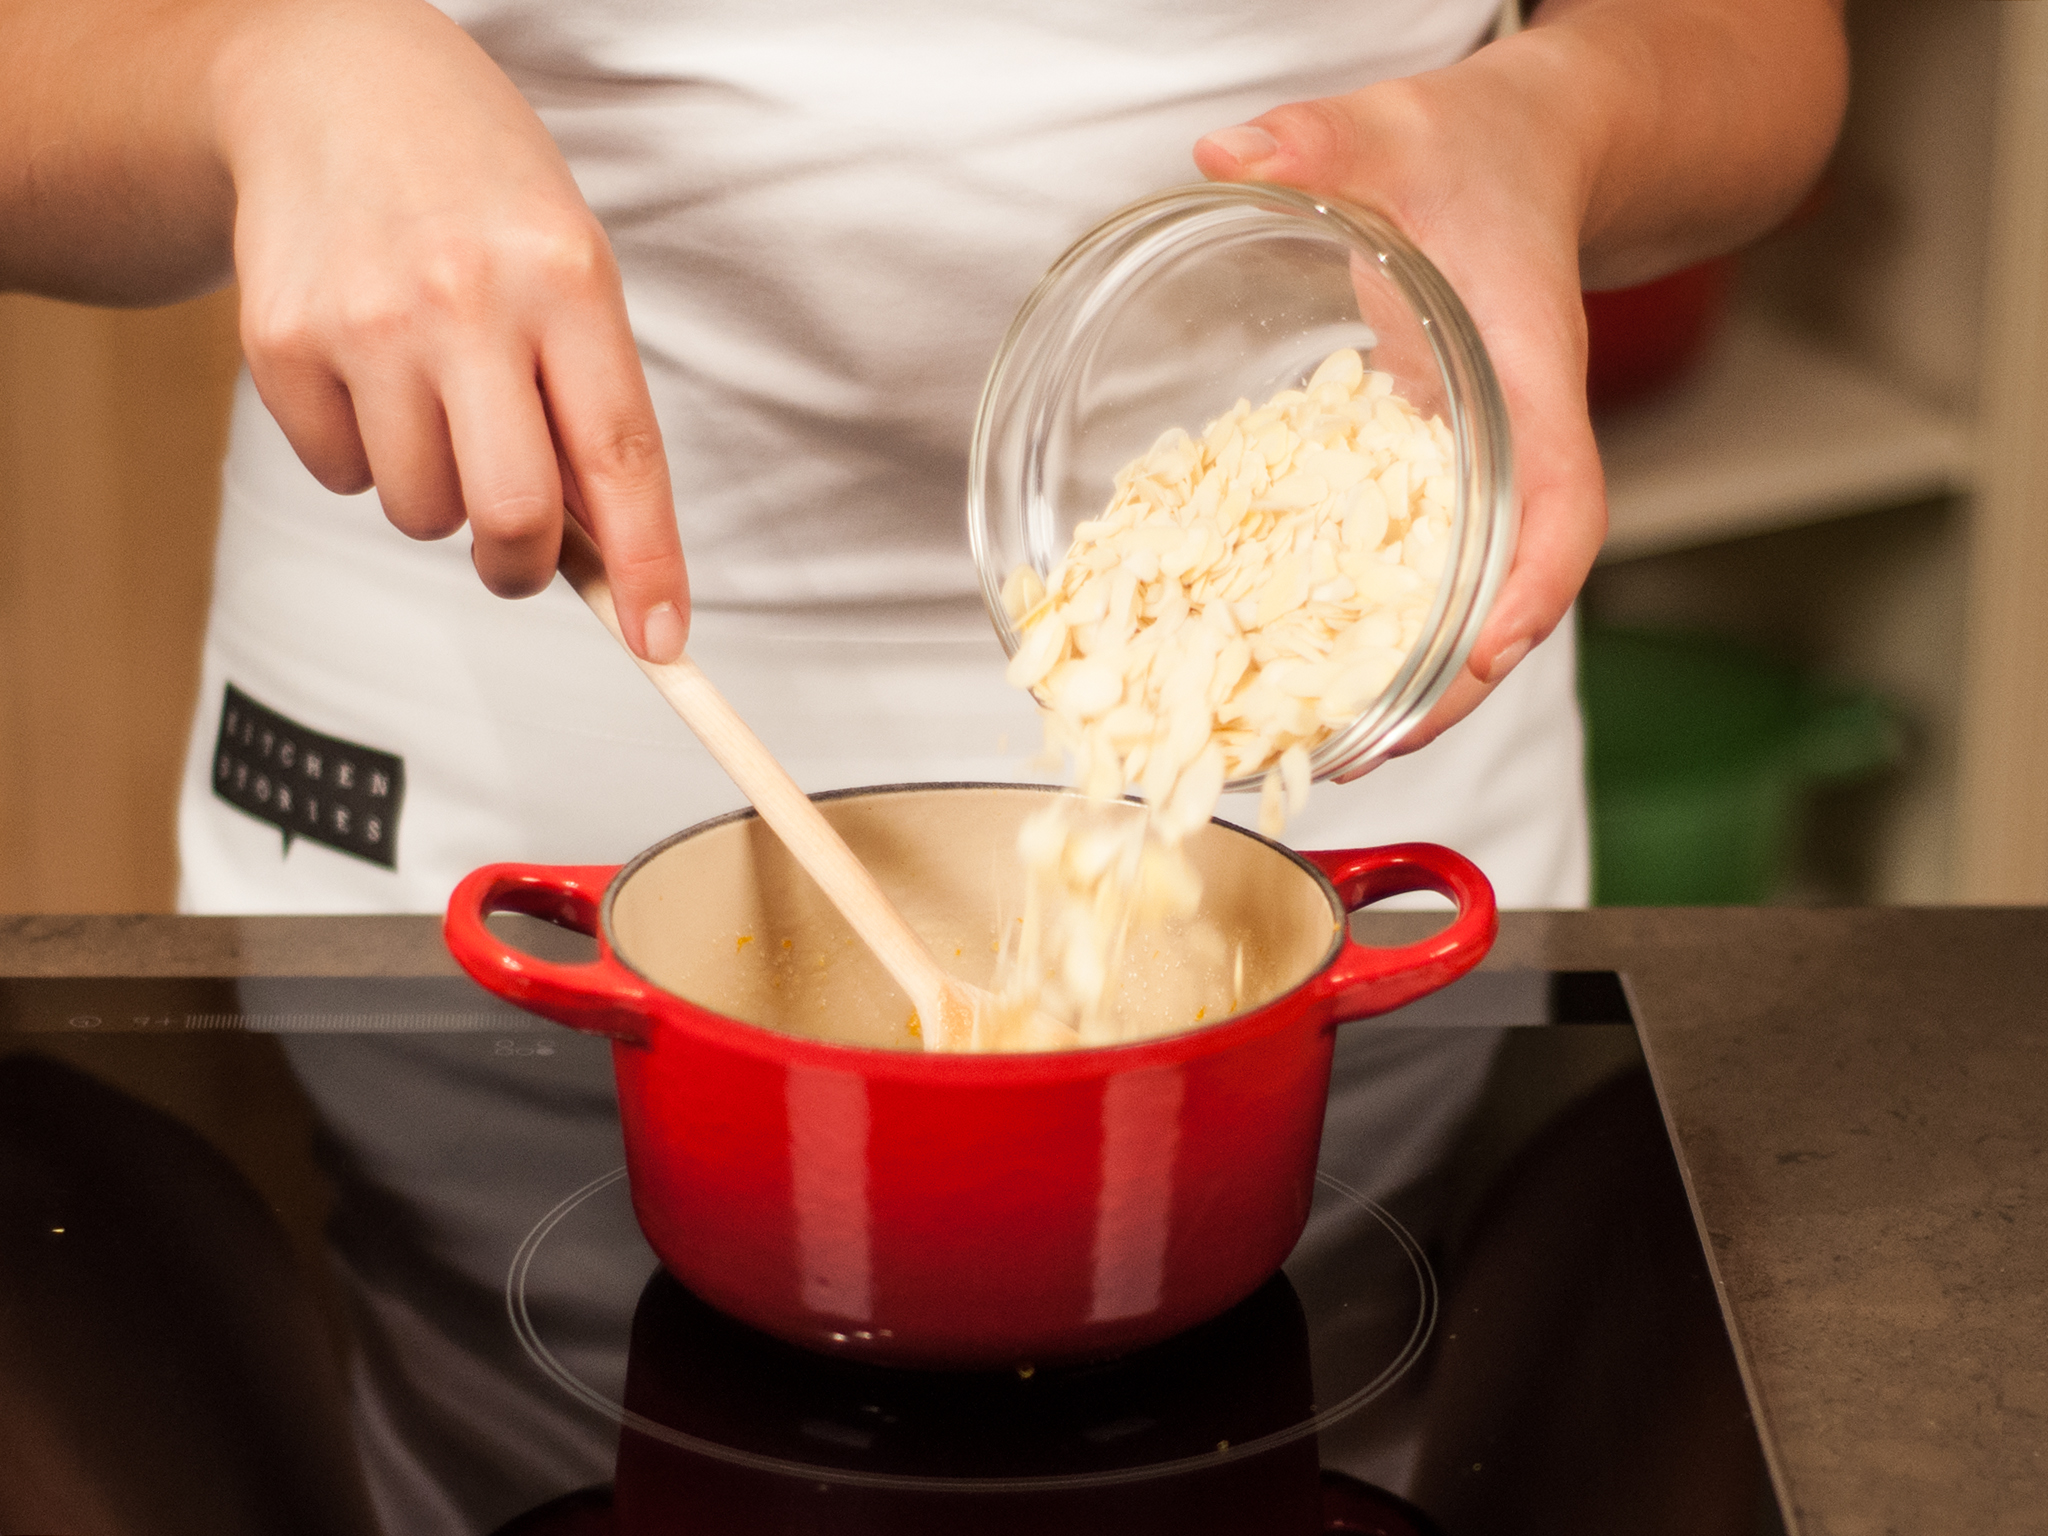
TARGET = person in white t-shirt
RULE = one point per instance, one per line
(727, 287)
(723, 281)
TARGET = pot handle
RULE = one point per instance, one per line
(1363, 980)
(601, 997)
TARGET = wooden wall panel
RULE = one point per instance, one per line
(2004, 803)
(112, 427)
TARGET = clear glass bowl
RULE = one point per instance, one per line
(1173, 309)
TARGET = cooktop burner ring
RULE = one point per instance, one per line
(1328, 1189)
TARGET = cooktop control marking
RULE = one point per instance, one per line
(280, 1005)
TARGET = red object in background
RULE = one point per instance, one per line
(1638, 340)
(973, 1210)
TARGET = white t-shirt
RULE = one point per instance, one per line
(824, 225)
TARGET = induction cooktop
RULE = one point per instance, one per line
(1500, 1318)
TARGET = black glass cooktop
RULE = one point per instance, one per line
(357, 1255)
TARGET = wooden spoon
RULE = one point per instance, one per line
(946, 1006)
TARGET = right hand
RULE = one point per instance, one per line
(430, 307)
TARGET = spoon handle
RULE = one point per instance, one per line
(811, 841)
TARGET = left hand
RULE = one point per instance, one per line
(1628, 136)
(1485, 182)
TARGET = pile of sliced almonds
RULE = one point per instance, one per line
(1246, 593)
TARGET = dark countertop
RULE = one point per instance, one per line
(1861, 1107)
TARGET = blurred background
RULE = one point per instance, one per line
(1816, 661)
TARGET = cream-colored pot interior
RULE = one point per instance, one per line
(724, 918)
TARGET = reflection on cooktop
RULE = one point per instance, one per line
(715, 1389)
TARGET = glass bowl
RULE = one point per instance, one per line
(1171, 310)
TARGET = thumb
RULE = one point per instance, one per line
(1307, 144)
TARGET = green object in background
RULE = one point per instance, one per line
(1700, 755)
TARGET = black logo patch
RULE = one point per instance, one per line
(326, 790)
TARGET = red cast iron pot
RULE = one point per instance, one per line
(931, 1209)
